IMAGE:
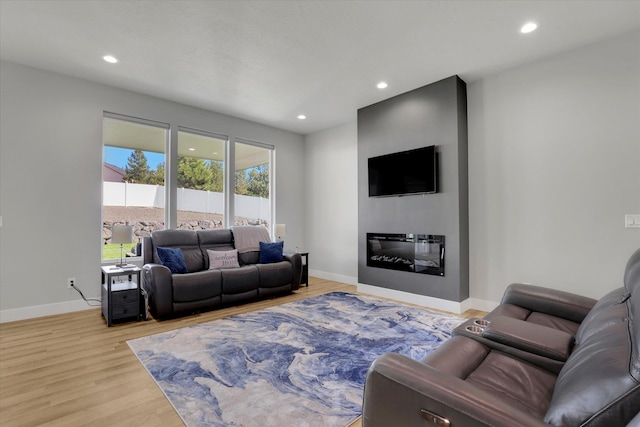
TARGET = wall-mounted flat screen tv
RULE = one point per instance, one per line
(406, 172)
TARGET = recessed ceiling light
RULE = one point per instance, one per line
(528, 27)
(302, 117)
(110, 59)
(382, 85)
(192, 149)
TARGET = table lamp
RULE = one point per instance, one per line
(281, 232)
(121, 234)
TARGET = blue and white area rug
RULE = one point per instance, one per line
(303, 363)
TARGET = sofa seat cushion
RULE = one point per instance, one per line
(275, 274)
(508, 378)
(520, 384)
(197, 286)
(543, 319)
(240, 280)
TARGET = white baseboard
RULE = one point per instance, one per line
(481, 304)
(349, 280)
(426, 301)
(423, 300)
(23, 313)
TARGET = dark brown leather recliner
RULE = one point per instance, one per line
(541, 358)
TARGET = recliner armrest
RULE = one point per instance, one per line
(398, 388)
(536, 339)
(158, 283)
(296, 262)
(550, 301)
(470, 330)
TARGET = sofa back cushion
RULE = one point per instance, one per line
(219, 239)
(249, 258)
(186, 240)
(600, 383)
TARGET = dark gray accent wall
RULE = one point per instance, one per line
(435, 114)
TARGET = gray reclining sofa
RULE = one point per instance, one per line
(543, 357)
(203, 289)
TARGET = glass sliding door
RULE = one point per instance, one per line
(253, 184)
(200, 195)
(133, 178)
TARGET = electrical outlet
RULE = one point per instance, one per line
(71, 281)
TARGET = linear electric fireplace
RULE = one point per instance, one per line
(417, 253)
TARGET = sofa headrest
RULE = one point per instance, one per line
(218, 239)
(215, 237)
(174, 238)
(186, 240)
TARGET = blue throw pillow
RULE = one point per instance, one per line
(271, 252)
(173, 259)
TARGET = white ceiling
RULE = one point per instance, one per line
(269, 61)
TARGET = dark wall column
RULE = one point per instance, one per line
(435, 114)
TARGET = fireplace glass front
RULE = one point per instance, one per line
(417, 253)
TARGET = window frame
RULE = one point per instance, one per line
(272, 187)
(141, 121)
(171, 143)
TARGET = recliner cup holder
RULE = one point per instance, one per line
(481, 322)
(474, 329)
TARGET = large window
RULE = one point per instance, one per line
(216, 184)
(200, 197)
(253, 188)
(133, 178)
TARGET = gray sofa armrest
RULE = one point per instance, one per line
(158, 283)
(399, 388)
(549, 301)
(530, 337)
(296, 262)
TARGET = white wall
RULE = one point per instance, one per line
(554, 149)
(554, 164)
(51, 139)
(332, 202)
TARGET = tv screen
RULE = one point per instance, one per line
(406, 172)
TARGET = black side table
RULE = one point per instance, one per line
(120, 298)
(305, 268)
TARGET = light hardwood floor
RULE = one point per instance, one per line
(71, 370)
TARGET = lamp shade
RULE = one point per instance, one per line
(281, 231)
(121, 234)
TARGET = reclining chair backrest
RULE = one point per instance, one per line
(187, 240)
(219, 239)
(632, 285)
(600, 383)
